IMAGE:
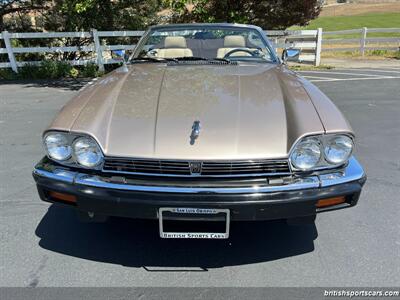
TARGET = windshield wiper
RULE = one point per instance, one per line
(154, 59)
(222, 59)
(190, 58)
(197, 58)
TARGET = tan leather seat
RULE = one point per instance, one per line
(233, 42)
(174, 46)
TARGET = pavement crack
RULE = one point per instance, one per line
(34, 275)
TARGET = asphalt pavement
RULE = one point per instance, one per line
(45, 245)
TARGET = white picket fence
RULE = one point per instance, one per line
(307, 40)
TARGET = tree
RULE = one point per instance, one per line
(71, 15)
(103, 15)
(268, 14)
(76, 15)
(18, 6)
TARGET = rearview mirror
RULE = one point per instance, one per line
(291, 54)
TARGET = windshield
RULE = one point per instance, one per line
(207, 43)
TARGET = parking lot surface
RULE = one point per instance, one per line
(45, 245)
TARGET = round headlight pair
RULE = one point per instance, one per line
(84, 150)
(308, 153)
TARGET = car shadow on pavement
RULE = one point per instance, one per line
(135, 243)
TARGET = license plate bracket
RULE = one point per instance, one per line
(187, 211)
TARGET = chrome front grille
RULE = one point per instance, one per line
(208, 168)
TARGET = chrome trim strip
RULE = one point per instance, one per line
(56, 174)
(300, 183)
(223, 161)
(202, 176)
(352, 172)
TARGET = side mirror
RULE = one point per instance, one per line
(291, 54)
(119, 54)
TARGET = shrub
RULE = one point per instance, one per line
(7, 74)
(63, 69)
(74, 72)
(54, 69)
(50, 69)
(47, 69)
(29, 71)
(90, 70)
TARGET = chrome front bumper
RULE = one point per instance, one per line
(352, 172)
(246, 199)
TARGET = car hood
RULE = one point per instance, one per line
(147, 110)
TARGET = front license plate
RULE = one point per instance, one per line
(202, 214)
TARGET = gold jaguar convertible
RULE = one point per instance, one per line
(203, 125)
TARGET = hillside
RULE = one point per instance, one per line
(351, 9)
(373, 20)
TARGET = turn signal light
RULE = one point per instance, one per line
(330, 201)
(63, 197)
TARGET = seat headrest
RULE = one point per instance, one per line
(175, 42)
(231, 41)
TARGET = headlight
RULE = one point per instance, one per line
(338, 149)
(86, 152)
(306, 154)
(57, 146)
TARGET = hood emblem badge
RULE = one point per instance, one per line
(195, 132)
(195, 167)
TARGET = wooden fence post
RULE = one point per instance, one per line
(363, 40)
(318, 48)
(99, 52)
(11, 57)
(276, 45)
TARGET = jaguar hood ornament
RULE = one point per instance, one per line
(195, 132)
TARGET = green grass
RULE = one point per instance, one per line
(369, 54)
(372, 20)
